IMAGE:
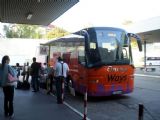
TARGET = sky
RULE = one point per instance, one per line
(112, 13)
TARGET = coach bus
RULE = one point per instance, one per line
(99, 58)
(153, 61)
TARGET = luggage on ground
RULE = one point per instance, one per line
(23, 85)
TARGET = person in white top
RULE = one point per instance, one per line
(60, 73)
(58, 68)
(27, 71)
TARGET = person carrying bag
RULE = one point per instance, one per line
(60, 72)
(12, 75)
(8, 79)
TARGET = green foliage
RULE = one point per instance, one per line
(22, 31)
(32, 31)
(56, 32)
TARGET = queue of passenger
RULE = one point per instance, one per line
(40, 74)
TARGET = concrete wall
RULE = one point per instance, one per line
(21, 50)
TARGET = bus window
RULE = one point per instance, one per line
(124, 53)
(92, 45)
(108, 45)
(66, 57)
(81, 55)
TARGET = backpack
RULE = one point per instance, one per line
(2, 81)
(0, 77)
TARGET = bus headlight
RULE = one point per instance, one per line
(94, 81)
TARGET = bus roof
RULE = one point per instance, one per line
(110, 28)
(99, 28)
(67, 38)
(76, 37)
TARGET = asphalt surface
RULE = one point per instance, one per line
(37, 106)
(40, 106)
(156, 72)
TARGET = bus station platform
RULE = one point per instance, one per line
(30, 105)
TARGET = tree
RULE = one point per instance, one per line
(9, 32)
(22, 31)
(32, 31)
(56, 32)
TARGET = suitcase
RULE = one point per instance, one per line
(43, 85)
(25, 85)
(19, 85)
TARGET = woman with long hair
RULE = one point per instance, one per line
(8, 88)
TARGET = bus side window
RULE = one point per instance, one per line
(66, 57)
(81, 55)
(124, 54)
(81, 60)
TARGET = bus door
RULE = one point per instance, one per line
(82, 70)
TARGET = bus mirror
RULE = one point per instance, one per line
(85, 34)
(139, 42)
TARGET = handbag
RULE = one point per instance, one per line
(23, 73)
(11, 78)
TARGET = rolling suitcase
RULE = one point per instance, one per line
(26, 85)
(19, 85)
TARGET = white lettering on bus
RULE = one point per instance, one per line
(116, 69)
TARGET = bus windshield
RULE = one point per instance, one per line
(106, 47)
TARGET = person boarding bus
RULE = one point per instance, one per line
(60, 73)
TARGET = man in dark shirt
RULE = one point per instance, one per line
(35, 68)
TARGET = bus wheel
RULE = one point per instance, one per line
(71, 88)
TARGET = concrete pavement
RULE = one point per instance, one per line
(38, 106)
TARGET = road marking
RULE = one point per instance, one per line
(142, 75)
(72, 108)
(157, 90)
(75, 110)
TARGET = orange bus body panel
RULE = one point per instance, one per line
(103, 81)
(108, 80)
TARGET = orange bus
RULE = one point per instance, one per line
(100, 60)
